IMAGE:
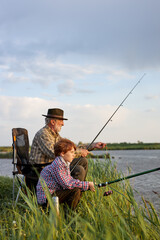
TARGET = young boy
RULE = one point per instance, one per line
(58, 178)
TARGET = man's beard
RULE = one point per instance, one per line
(57, 129)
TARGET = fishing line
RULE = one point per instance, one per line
(120, 193)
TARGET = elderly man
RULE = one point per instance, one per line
(42, 149)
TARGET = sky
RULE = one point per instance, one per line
(83, 57)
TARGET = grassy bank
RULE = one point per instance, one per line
(117, 216)
(5, 152)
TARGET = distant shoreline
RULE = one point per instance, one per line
(133, 146)
(6, 152)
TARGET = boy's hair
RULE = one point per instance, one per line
(63, 145)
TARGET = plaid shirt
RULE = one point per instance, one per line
(42, 150)
(57, 177)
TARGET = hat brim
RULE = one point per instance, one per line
(53, 116)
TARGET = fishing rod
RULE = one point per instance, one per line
(110, 118)
(121, 104)
(127, 177)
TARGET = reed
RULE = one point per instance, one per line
(117, 216)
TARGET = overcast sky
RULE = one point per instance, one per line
(84, 57)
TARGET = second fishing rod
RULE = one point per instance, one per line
(120, 105)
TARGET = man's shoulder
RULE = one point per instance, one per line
(44, 130)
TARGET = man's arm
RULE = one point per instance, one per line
(82, 150)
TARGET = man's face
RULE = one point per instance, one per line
(58, 125)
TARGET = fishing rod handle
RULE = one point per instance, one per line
(102, 184)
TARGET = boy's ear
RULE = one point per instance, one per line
(62, 154)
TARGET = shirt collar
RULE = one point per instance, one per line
(66, 163)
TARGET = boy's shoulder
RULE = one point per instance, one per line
(57, 162)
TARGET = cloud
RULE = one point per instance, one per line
(41, 70)
(152, 97)
(84, 49)
(125, 33)
(66, 87)
(151, 110)
(44, 71)
(84, 91)
(18, 108)
(27, 112)
(84, 121)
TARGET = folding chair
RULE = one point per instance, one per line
(20, 157)
(26, 173)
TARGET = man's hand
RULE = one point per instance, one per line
(84, 152)
(99, 145)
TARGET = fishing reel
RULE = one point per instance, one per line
(107, 193)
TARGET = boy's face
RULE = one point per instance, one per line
(68, 156)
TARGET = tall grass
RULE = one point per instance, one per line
(117, 216)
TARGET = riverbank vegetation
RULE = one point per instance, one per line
(6, 152)
(117, 216)
(133, 146)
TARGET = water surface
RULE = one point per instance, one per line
(147, 185)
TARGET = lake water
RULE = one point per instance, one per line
(147, 185)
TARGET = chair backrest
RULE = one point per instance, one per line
(21, 147)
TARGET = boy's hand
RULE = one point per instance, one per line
(91, 186)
